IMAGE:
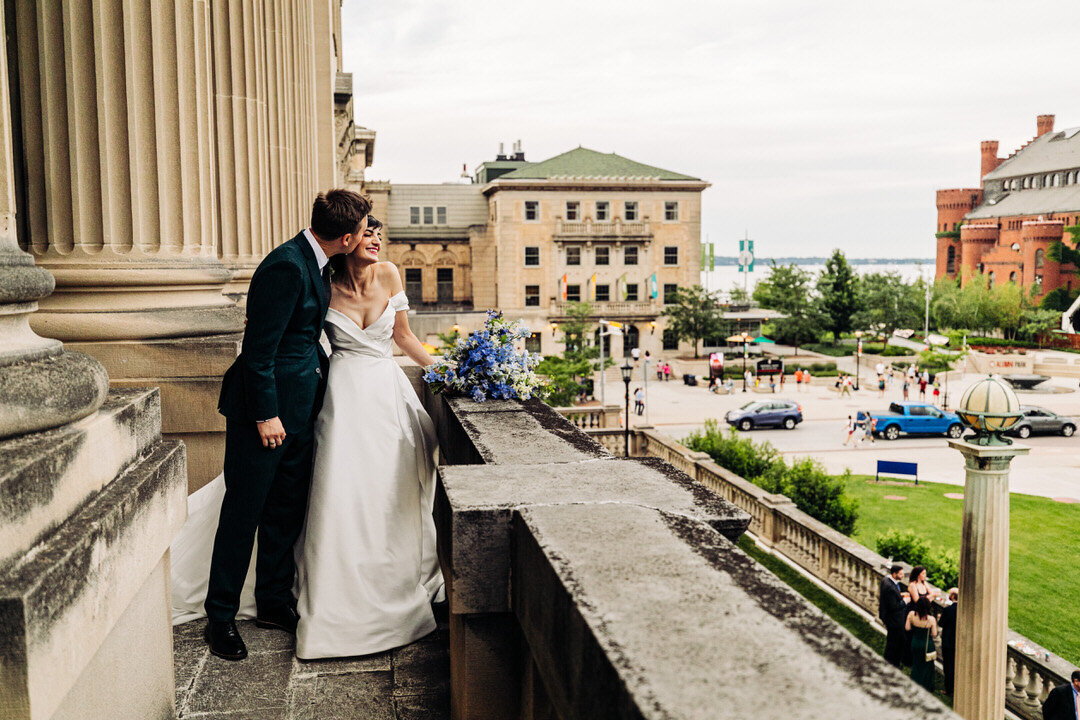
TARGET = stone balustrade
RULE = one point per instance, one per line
(583, 585)
(846, 566)
(592, 416)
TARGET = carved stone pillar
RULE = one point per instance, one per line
(983, 615)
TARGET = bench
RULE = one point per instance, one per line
(895, 467)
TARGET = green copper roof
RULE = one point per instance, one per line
(584, 163)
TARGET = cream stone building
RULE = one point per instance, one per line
(529, 238)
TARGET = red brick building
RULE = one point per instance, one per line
(1005, 227)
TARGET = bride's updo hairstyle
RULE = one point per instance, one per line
(338, 212)
(337, 262)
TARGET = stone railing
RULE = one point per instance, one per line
(591, 416)
(614, 307)
(614, 230)
(846, 566)
(582, 585)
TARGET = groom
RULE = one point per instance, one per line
(270, 397)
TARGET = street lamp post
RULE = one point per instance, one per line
(989, 407)
(627, 372)
(858, 355)
(745, 339)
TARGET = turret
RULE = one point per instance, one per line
(1043, 125)
(990, 160)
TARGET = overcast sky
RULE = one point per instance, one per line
(819, 125)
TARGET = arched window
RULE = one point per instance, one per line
(1012, 277)
(950, 259)
(630, 339)
(1040, 257)
(1057, 179)
(990, 279)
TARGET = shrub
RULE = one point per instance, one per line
(813, 491)
(896, 351)
(942, 566)
(817, 368)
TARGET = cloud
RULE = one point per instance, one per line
(819, 125)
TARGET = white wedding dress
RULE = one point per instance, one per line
(367, 571)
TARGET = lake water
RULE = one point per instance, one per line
(724, 277)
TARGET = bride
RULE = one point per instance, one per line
(367, 571)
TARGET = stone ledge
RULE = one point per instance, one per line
(475, 506)
(60, 601)
(45, 476)
(634, 613)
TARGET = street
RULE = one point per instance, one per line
(1052, 469)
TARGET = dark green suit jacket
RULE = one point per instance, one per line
(281, 367)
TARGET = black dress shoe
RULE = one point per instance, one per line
(283, 617)
(224, 640)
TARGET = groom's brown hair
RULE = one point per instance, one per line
(338, 212)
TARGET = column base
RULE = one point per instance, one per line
(50, 391)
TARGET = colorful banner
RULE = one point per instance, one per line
(652, 287)
(592, 281)
(562, 286)
(746, 256)
(712, 258)
(623, 292)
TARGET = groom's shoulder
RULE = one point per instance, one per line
(288, 251)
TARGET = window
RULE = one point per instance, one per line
(429, 216)
(1038, 284)
(532, 210)
(573, 293)
(671, 212)
(630, 211)
(532, 255)
(950, 259)
(440, 215)
(573, 255)
(532, 343)
(671, 255)
(669, 292)
(630, 339)
(670, 341)
(990, 279)
(631, 291)
(603, 210)
(603, 256)
(603, 293)
(1012, 277)
(414, 286)
(444, 284)
(573, 210)
(629, 255)
(532, 296)
(1040, 258)
(414, 215)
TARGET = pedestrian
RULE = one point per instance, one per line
(806, 378)
(881, 386)
(639, 401)
(892, 611)
(659, 369)
(635, 353)
(798, 380)
(667, 371)
(845, 386)
(873, 426)
(1063, 702)
(781, 381)
(947, 623)
(850, 428)
(937, 391)
(922, 388)
(922, 625)
(879, 368)
(907, 387)
(729, 386)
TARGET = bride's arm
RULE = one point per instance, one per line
(403, 334)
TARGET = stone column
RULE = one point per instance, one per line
(983, 616)
(41, 386)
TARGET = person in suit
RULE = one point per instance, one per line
(1063, 702)
(270, 398)
(892, 611)
(947, 623)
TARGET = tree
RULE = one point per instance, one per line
(565, 373)
(576, 332)
(887, 303)
(738, 295)
(1035, 322)
(837, 297)
(693, 314)
(787, 289)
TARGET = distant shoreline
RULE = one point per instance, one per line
(812, 260)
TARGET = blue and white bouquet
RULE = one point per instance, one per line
(487, 364)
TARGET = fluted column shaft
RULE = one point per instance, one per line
(983, 614)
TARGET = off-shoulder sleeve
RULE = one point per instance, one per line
(399, 302)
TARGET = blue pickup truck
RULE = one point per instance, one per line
(915, 418)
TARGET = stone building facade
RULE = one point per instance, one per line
(1005, 228)
(529, 238)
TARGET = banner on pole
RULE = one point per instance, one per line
(652, 287)
(746, 256)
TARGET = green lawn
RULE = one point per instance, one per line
(1043, 558)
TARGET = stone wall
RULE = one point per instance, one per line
(582, 585)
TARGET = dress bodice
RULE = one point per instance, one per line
(349, 339)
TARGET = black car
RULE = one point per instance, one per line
(766, 413)
(1039, 420)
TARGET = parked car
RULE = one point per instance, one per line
(766, 413)
(915, 418)
(1039, 420)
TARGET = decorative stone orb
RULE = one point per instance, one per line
(989, 406)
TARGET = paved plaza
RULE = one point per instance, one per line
(1052, 469)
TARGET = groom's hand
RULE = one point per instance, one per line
(271, 432)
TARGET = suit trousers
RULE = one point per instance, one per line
(266, 491)
(948, 662)
(894, 646)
